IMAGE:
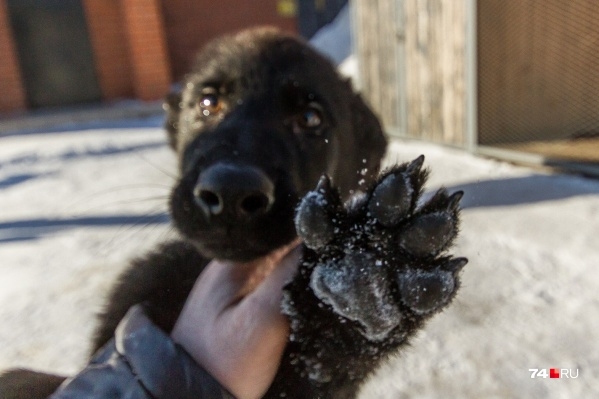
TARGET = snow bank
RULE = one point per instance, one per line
(75, 205)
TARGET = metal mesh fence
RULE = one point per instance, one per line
(538, 77)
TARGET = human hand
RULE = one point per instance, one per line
(232, 324)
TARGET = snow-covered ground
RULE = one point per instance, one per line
(76, 204)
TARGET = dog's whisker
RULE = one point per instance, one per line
(124, 232)
(99, 195)
(158, 168)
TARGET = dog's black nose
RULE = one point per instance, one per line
(237, 191)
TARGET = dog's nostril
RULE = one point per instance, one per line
(210, 202)
(209, 198)
(254, 204)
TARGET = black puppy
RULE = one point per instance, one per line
(259, 120)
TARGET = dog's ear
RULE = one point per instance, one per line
(369, 136)
(172, 106)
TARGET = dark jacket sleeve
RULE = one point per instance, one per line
(141, 362)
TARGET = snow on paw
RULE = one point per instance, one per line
(425, 291)
(395, 195)
(434, 228)
(358, 290)
(312, 221)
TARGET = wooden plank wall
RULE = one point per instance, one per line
(422, 44)
(436, 69)
(377, 42)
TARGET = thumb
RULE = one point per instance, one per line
(267, 296)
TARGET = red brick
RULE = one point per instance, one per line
(191, 23)
(149, 58)
(13, 93)
(111, 51)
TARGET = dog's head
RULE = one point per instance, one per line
(259, 119)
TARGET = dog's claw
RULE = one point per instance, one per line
(454, 200)
(415, 166)
(455, 265)
(324, 184)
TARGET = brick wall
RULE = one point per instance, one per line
(140, 46)
(11, 84)
(191, 23)
(150, 65)
(111, 51)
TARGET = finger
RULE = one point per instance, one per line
(281, 275)
(244, 278)
(264, 303)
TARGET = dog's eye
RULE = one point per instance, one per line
(210, 104)
(311, 118)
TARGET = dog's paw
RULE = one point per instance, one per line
(380, 260)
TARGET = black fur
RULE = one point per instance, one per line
(265, 81)
(265, 103)
(364, 290)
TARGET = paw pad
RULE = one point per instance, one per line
(428, 234)
(426, 291)
(312, 220)
(394, 196)
(423, 291)
(336, 283)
